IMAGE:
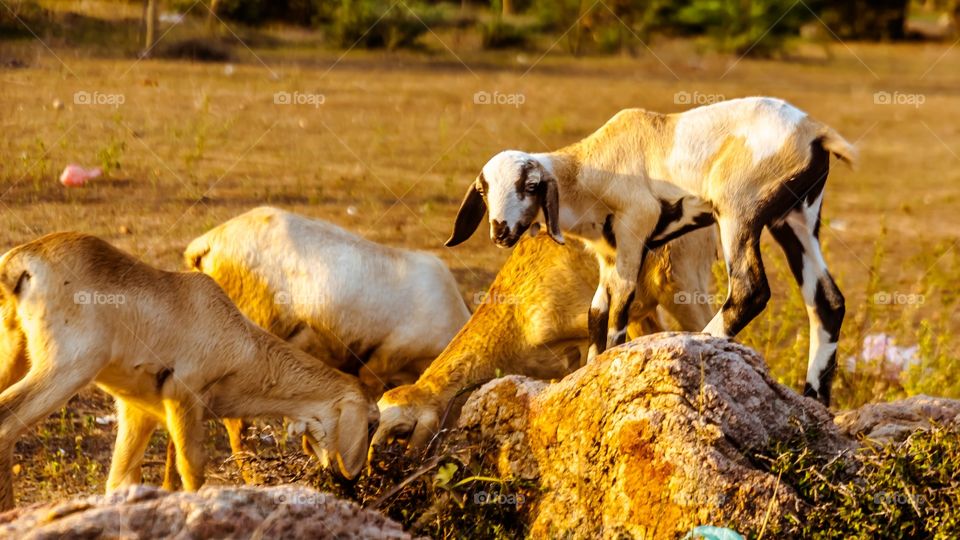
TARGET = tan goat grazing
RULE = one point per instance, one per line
(534, 323)
(170, 347)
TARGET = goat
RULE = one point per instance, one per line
(645, 178)
(534, 322)
(382, 312)
(379, 312)
(170, 347)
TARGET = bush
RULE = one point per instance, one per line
(380, 24)
(370, 24)
(501, 35)
(17, 18)
(257, 12)
(441, 497)
(754, 27)
(903, 489)
(867, 19)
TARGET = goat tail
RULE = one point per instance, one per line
(834, 143)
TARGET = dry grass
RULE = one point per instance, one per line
(399, 137)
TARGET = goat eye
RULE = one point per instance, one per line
(531, 188)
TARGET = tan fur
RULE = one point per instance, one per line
(534, 323)
(171, 348)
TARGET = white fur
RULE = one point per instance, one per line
(402, 306)
(766, 135)
(765, 124)
(505, 198)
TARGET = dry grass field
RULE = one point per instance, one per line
(397, 138)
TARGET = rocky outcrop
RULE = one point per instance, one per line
(651, 439)
(213, 512)
(896, 420)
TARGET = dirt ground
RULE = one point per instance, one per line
(385, 144)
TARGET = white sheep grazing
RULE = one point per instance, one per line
(645, 178)
(365, 308)
(534, 323)
(170, 347)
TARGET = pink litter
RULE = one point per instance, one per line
(76, 175)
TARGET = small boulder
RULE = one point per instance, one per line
(895, 420)
(651, 439)
(212, 512)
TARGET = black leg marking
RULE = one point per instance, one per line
(797, 233)
(677, 219)
(800, 191)
(608, 231)
(669, 213)
(749, 290)
(792, 247)
(623, 318)
(831, 306)
(826, 379)
(826, 382)
(830, 310)
(598, 322)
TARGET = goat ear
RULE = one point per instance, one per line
(550, 203)
(469, 217)
(352, 443)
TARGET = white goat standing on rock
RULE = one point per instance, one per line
(645, 178)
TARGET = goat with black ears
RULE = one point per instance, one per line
(645, 178)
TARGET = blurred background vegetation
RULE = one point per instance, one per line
(760, 28)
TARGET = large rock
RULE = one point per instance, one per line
(896, 420)
(213, 512)
(651, 439)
